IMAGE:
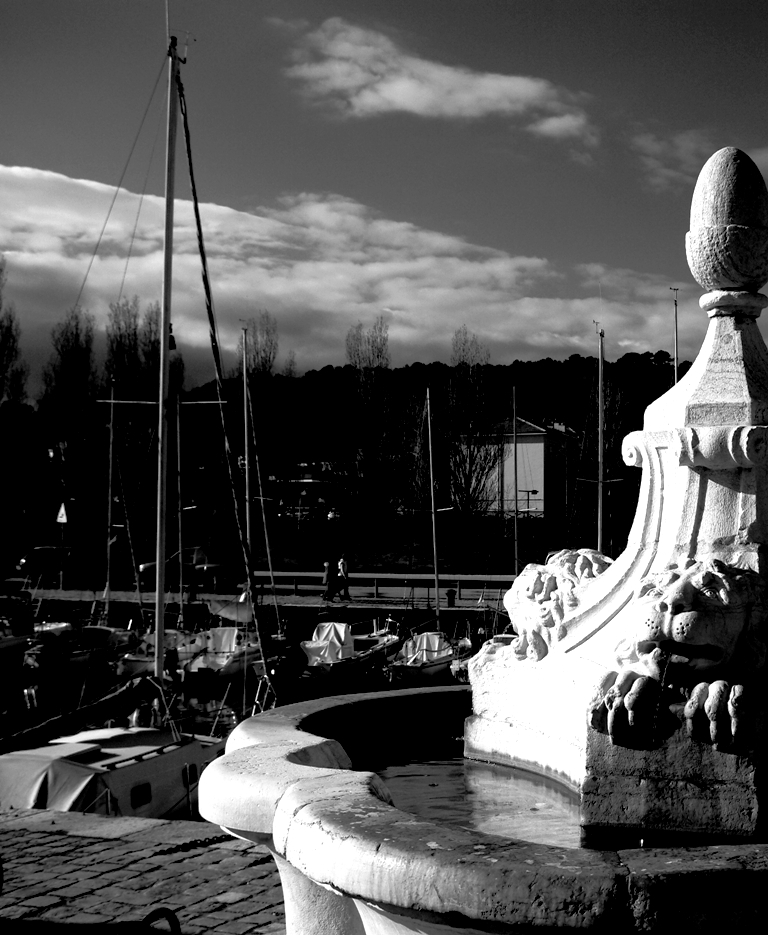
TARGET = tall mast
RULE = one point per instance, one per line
(600, 428)
(246, 444)
(434, 516)
(179, 507)
(165, 330)
(107, 588)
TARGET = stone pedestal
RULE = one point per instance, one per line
(683, 792)
(677, 627)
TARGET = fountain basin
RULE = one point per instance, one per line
(351, 863)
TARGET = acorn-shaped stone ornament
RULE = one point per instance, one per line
(727, 245)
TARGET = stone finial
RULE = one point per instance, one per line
(727, 245)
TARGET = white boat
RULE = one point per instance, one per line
(425, 654)
(140, 771)
(227, 651)
(142, 661)
(334, 643)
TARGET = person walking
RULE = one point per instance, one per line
(343, 583)
(329, 581)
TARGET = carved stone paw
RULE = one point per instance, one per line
(631, 711)
(715, 711)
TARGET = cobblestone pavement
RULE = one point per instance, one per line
(62, 867)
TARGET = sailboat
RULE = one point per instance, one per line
(428, 654)
(150, 768)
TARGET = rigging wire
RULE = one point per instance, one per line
(119, 185)
(213, 333)
(263, 507)
(138, 210)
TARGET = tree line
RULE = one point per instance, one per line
(357, 434)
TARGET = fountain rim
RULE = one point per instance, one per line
(297, 792)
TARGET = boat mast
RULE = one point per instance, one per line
(179, 508)
(165, 330)
(107, 587)
(600, 429)
(434, 515)
(246, 446)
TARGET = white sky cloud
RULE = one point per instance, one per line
(320, 264)
(363, 73)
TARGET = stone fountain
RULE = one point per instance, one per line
(638, 683)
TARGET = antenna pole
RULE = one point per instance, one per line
(675, 289)
(514, 468)
(165, 331)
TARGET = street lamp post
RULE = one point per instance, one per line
(675, 289)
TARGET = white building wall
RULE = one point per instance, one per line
(530, 474)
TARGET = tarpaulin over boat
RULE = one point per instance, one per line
(331, 642)
(425, 648)
(44, 777)
(237, 611)
(220, 644)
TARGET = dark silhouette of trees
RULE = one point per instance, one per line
(474, 451)
(360, 430)
(69, 377)
(13, 371)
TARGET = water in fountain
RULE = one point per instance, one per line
(501, 802)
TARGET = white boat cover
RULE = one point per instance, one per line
(221, 645)
(44, 777)
(239, 611)
(331, 642)
(425, 648)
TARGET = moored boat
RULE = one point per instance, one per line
(147, 772)
(424, 656)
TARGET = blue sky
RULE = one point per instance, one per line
(522, 167)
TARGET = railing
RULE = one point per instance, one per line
(310, 582)
(295, 580)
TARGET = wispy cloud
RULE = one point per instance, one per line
(319, 263)
(363, 73)
(672, 161)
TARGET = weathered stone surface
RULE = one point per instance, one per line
(679, 621)
(674, 630)
(727, 245)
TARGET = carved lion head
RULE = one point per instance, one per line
(699, 619)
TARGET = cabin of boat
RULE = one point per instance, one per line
(140, 771)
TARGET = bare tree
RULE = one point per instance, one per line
(289, 367)
(355, 346)
(262, 344)
(369, 348)
(149, 351)
(69, 377)
(13, 371)
(467, 349)
(473, 453)
(123, 363)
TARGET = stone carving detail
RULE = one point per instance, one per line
(697, 637)
(544, 596)
(669, 666)
(727, 245)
